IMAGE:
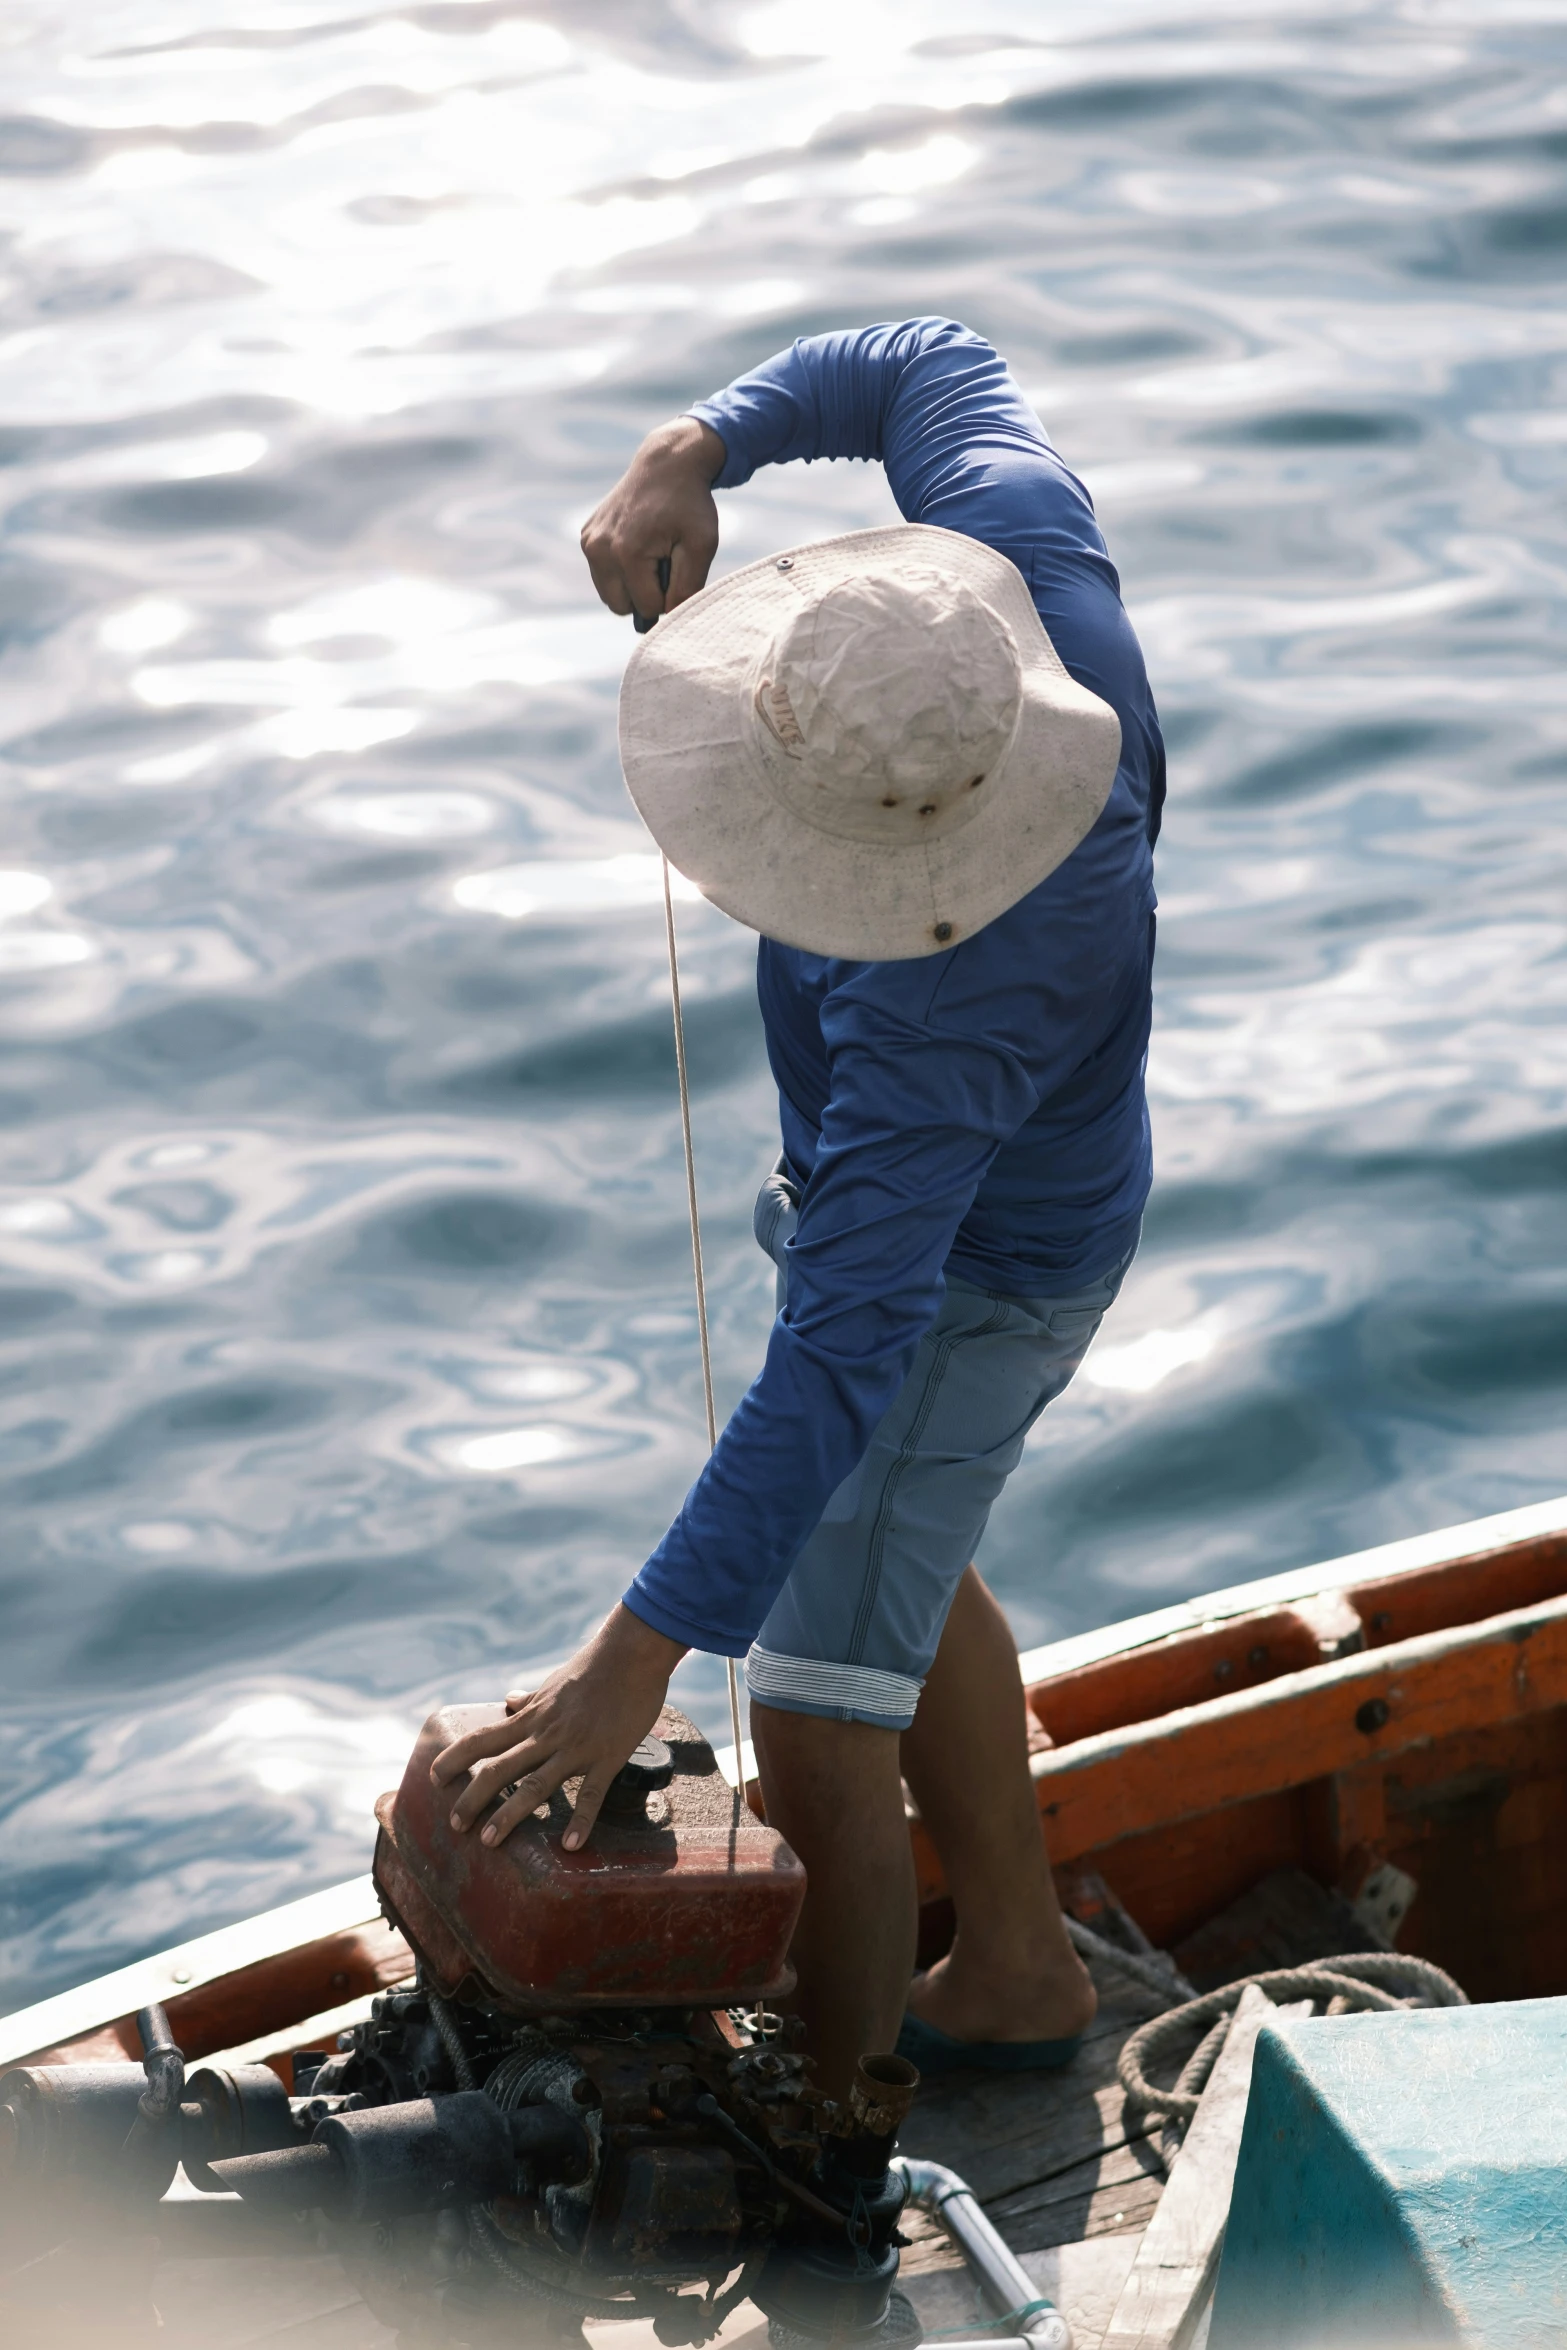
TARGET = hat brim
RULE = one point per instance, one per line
(691, 767)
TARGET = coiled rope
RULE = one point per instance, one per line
(1367, 1979)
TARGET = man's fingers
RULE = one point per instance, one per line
(585, 1810)
(647, 589)
(609, 578)
(523, 1801)
(464, 1752)
(613, 590)
(689, 564)
(487, 1781)
(602, 553)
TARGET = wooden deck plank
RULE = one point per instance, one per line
(1053, 2157)
(1005, 2132)
(1068, 2134)
(1101, 2196)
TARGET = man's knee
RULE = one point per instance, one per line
(812, 1764)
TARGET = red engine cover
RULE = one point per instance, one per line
(693, 1906)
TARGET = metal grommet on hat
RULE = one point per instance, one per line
(815, 764)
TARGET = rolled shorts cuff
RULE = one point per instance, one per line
(840, 1693)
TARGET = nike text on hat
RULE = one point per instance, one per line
(869, 747)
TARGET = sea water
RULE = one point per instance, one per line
(349, 1351)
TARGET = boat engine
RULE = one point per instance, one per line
(581, 2106)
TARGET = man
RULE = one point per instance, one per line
(871, 751)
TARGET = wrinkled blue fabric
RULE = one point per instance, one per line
(980, 1112)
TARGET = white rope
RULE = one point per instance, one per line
(696, 1262)
(1362, 1979)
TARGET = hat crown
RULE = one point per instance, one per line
(884, 702)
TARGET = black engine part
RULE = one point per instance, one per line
(386, 2161)
(819, 2279)
(470, 2165)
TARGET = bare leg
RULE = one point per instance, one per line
(833, 1790)
(1011, 1973)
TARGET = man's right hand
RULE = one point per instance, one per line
(661, 509)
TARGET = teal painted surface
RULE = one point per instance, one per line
(1402, 2179)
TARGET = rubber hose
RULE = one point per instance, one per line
(451, 2041)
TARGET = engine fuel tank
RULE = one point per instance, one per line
(681, 1897)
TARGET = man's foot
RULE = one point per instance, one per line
(970, 2004)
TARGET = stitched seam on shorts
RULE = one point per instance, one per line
(945, 1350)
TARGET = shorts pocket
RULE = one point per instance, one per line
(1075, 1324)
(775, 1215)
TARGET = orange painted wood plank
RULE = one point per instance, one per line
(1186, 1668)
(1466, 1590)
(269, 1996)
(168, 1976)
(1301, 1727)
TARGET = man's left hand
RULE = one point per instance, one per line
(586, 1719)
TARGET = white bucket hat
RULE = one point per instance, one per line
(868, 747)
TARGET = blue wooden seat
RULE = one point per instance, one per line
(1402, 2179)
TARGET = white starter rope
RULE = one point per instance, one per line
(696, 1263)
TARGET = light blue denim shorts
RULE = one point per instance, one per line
(852, 1634)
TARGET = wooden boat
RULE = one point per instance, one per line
(1386, 1733)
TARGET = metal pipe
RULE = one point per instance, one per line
(163, 2065)
(1001, 2277)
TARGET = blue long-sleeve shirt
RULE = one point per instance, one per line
(980, 1112)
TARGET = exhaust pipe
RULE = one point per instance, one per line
(389, 2160)
(830, 2275)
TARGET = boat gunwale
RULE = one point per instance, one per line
(62, 2025)
(1470, 1544)
(1367, 1670)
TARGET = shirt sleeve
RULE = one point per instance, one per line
(916, 396)
(919, 1103)
(915, 1118)
(963, 449)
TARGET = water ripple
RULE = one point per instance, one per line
(347, 1355)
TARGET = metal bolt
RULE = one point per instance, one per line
(1373, 1716)
(943, 931)
(786, 563)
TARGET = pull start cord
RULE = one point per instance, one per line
(696, 1262)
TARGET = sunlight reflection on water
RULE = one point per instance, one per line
(349, 1350)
